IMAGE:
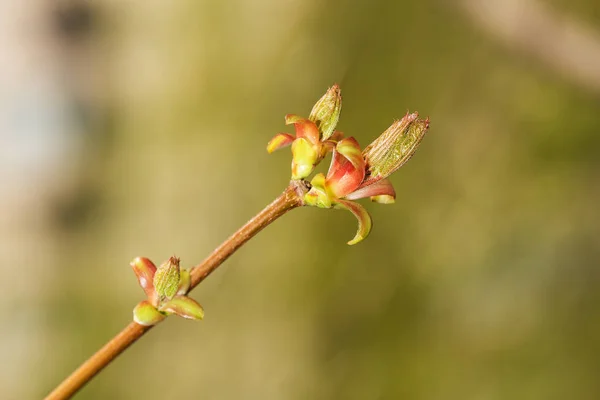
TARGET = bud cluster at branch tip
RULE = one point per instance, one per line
(315, 136)
(166, 288)
(353, 174)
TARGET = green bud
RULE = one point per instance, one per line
(185, 281)
(317, 196)
(183, 306)
(304, 158)
(146, 314)
(326, 112)
(166, 278)
(394, 147)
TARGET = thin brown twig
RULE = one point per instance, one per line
(288, 200)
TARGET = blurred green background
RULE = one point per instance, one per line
(138, 128)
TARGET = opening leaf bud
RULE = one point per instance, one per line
(394, 147)
(326, 112)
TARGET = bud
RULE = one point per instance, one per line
(317, 196)
(146, 314)
(144, 270)
(185, 281)
(166, 278)
(326, 112)
(347, 168)
(184, 307)
(394, 147)
(304, 158)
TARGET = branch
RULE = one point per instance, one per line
(353, 174)
(288, 200)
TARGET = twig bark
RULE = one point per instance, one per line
(288, 200)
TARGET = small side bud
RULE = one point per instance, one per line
(326, 112)
(394, 147)
(166, 278)
(185, 281)
(317, 196)
(146, 314)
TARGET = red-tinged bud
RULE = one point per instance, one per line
(144, 269)
(315, 136)
(146, 314)
(166, 278)
(304, 128)
(394, 147)
(326, 112)
(166, 287)
(353, 174)
(184, 307)
(347, 169)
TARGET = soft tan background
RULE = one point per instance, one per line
(139, 128)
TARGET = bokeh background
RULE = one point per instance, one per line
(134, 128)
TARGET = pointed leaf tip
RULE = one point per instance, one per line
(363, 217)
(279, 141)
(292, 119)
(383, 199)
